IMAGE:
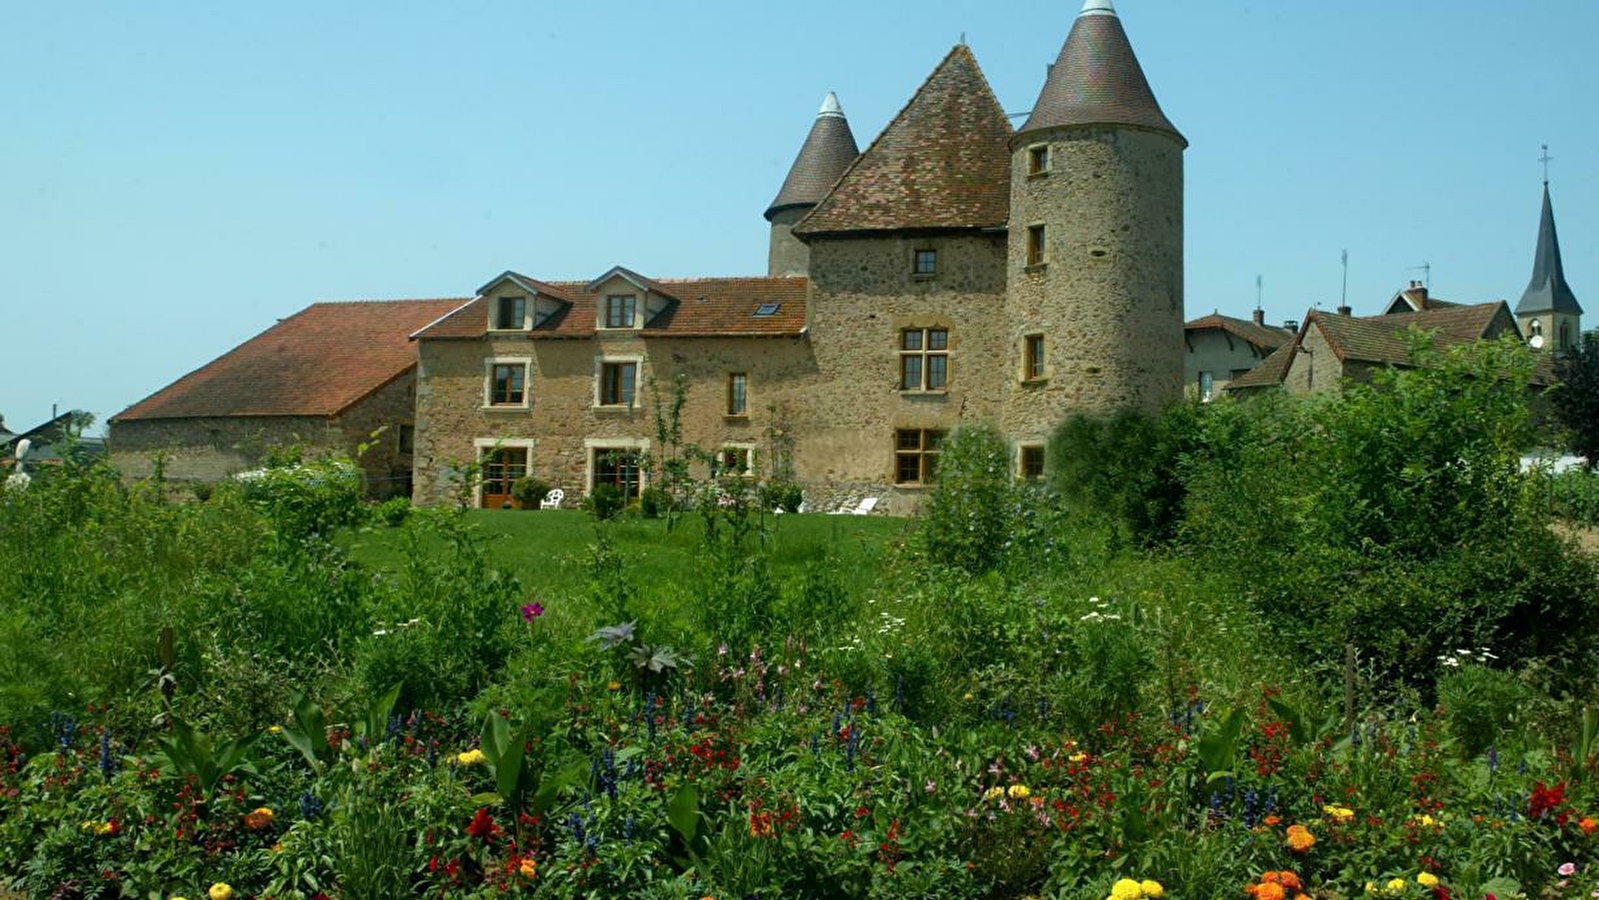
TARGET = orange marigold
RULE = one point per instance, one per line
(1300, 839)
(1269, 890)
(1289, 880)
(1588, 825)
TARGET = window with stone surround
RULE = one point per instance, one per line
(1036, 248)
(738, 400)
(736, 459)
(1030, 462)
(1038, 159)
(924, 359)
(618, 379)
(916, 453)
(505, 383)
(1033, 357)
(620, 310)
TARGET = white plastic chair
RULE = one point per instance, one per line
(553, 499)
(867, 505)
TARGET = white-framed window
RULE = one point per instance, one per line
(923, 359)
(501, 462)
(736, 459)
(618, 462)
(507, 382)
(621, 310)
(509, 313)
(616, 381)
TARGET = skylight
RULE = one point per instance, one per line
(766, 309)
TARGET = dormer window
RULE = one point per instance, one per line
(510, 313)
(619, 310)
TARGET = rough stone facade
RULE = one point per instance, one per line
(786, 254)
(1108, 295)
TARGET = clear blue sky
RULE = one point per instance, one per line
(176, 176)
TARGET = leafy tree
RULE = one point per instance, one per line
(1125, 467)
(1576, 402)
(966, 522)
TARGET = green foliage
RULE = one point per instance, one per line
(529, 490)
(190, 754)
(393, 512)
(1125, 467)
(604, 501)
(1575, 402)
(305, 497)
(782, 495)
(372, 849)
(1478, 703)
(966, 520)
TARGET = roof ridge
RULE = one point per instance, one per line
(373, 301)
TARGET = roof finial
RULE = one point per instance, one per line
(1545, 160)
(963, 39)
(830, 106)
(1097, 8)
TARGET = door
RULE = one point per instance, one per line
(502, 466)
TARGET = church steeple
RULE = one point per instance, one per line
(1097, 80)
(1548, 291)
(828, 150)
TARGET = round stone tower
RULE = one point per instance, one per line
(1095, 265)
(828, 150)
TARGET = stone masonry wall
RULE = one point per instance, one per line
(787, 255)
(388, 471)
(210, 449)
(1315, 368)
(863, 294)
(1109, 297)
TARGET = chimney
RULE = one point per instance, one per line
(1291, 324)
(1345, 310)
(1260, 317)
(1419, 290)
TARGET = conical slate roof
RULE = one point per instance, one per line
(1548, 291)
(1097, 80)
(827, 152)
(944, 162)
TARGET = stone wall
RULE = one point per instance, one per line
(1108, 298)
(863, 295)
(210, 449)
(387, 469)
(787, 256)
(1315, 368)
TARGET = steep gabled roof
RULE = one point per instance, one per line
(943, 162)
(1269, 373)
(1266, 337)
(631, 277)
(1415, 299)
(1548, 291)
(531, 285)
(1382, 339)
(316, 362)
(828, 150)
(702, 307)
(1097, 80)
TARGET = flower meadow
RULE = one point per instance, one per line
(234, 699)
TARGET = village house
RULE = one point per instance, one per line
(1221, 348)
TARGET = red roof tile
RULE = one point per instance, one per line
(316, 362)
(944, 162)
(703, 307)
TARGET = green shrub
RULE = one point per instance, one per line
(782, 494)
(1478, 702)
(654, 502)
(1126, 468)
(604, 502)
(305, 498)
(393, 512)
(966, 520)
(529, 490)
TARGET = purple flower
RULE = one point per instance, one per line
(532, 611)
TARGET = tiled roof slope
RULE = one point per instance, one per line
(944, 162)
(827, 152)
(1269, 373)
(1097, 80)
(706, 307)
(316, 362)
(1548, 291)
(1381, 339)
(1268, 337)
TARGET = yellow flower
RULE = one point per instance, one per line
(471, 757)
(258, 818)
(967, 697)
(1427, 879)
(1341, 813)
(1126, 889)
(994, 793)
(614, 686)
(528, 868)
(275, 729)
(103, 828)
(220, 891)
(1396, 885)
(1019, 792)
(1151, 888)
(1078, 757)
(1424, 819)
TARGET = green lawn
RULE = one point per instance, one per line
(548, 549)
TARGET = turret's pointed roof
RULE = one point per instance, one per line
(1097, 80)
(944, 162)
(827, 152)
(1548, 291)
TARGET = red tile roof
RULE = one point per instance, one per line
(944, 162)
(704, 307)
(1382, 339)
(316, 362)
(1267, 337)
(1269, 373)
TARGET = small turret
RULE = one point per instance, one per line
(828, 151)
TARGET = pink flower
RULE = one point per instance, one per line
(532, 611)
(930, 787)
(1567, 869)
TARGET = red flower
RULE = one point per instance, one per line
(1547, 800)
(483, 827)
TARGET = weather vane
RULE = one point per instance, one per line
(1545, 160)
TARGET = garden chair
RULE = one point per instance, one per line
(553, 499)
(866, 506)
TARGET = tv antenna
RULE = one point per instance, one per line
(1343, 298)
(1259, 281)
